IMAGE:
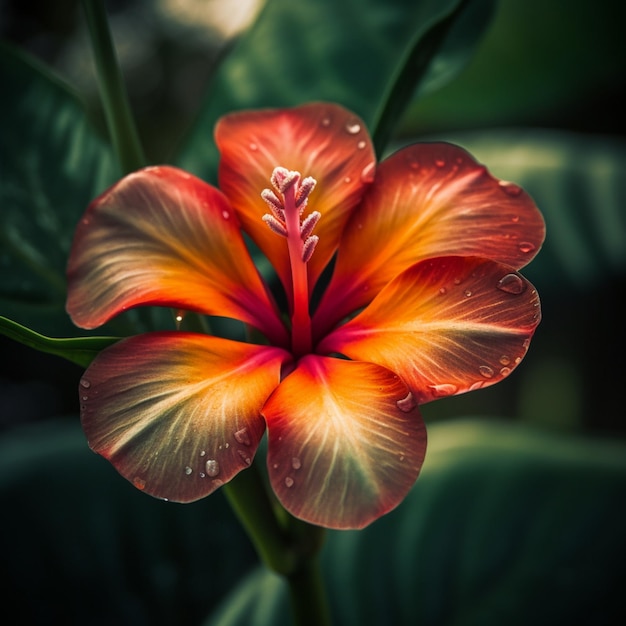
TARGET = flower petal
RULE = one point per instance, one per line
(161, 236)
(178, 414)
(324, 141)
(346, 442)
(428, 200)
(445, 325)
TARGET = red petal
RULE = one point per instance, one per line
(163, 237)
(346, 442)
(325, 141)
(446, 326)
(178, 414)
(429, 200)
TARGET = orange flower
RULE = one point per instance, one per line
(424, 301)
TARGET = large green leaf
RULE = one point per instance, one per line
(82, 547)
(51, 166)
(358, 54)
(505, 526)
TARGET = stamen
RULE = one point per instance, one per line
(309, 223)
(274, 203)
(309, 247)
(283, 179)
(275, 225)
(305, 188)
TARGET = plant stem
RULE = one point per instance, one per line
(286, 545)
(117, 111)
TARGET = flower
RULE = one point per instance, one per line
(424, 301)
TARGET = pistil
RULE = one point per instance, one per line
(287, 207)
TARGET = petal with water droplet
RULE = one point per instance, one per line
(358, 441)
(448, 205)
(312, 139)
(163, 404)
(159, 237)
(423, 327)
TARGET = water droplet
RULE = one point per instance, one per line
(140, 483)
(515, 219)
(202, 452)
(202, 475)
(289, 481)
(296, 463)
(511, 283)
(253, 147)
(477, 385)
(361, 144)
(468, 293)
(505, 371)
(526, 247)
(510, 189)
(244, 455)
(188, 470)
(486, 371)
(368, 173)
(212, 467)
(275, 465)
(85, 398)
(353, 128)
(326, 122)
(242, 436)
(85, 383)
(457, 281)
(347, 179)
(225, 214)
(407, 404)
(504, 360)
(444, 389)
(440, 162)
(401, 457)
(442, 290)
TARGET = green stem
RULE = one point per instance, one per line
(114, 99)
(286, 545)
(308, 595)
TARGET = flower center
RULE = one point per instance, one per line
(287, 205)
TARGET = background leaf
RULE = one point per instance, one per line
(82, 546)
(51, 166)
(505, 526)
(337, 50)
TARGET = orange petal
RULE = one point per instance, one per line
(163, 237)
(429, 200)
(324, 141)
(178, 414)
(346, 442)
(445, 325)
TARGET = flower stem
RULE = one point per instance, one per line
(117, 111)
(286, 545)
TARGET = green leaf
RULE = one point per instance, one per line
(352, 53)
(51, 166)
(79, 350)
(505, 525)
(80, 545)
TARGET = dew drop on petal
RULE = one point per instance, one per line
(289, 481)
(242, 436)
(202, 452)
(85, 383)
(140, 483)
(468, 293)
(188, 470)
(486, 371)
(254, 147)
(440, 162)
(245, 456)
(510, 189)
(225, 214)
(212, 467)
(361, 145)
(511, 283)
(444, 389)
(505, 371)
(407, 404)
(526, 247)
(353, 128)
(368, 172)
(326, 122)
(442, 290)
(347, 179)
(296, 463)
(504, 360)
